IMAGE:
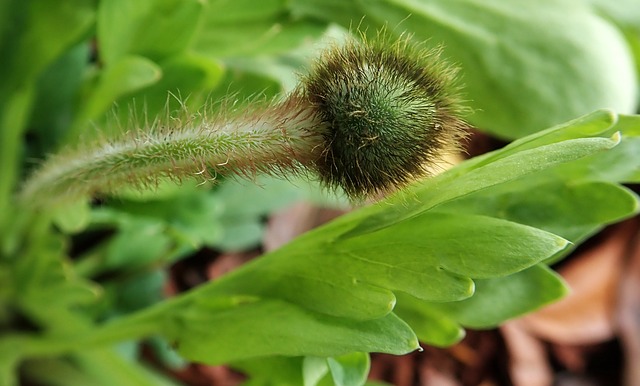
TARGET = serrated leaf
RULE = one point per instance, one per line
(442, 242)
(401, 247)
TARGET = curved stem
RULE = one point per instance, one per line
(283, 137)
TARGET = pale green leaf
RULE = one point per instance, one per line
(314, 370)
(350, 369)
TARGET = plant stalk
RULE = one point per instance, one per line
(278, 139)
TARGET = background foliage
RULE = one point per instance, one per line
(467, 248)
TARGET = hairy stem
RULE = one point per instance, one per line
(369, 118)
(277, 139)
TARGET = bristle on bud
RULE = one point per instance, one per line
(390, 113)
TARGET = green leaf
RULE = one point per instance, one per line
(618, 165)
(127, 75)
(499, 299)
(107, 368)
(139, 242)
(494, 301)
(25, 54)
(220, 334)
(332, 291)
(249, 28)
(430, 325)
(26, 45)
(403, 246)
(624, 12)
(191, 216)
(45, 288)
(525, 65)
(557, 206)
(151, 28)
(479, 174)
(314, 369)
(350, 369)
(57, 92)
(267, 371)
(73, 217)
(185, 81)
(442, 241)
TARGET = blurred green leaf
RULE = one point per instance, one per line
(192, 216)
(152, 28)
(74, 217)
(314, 369)
(624, 12)
(140, 291)
(56, 100)
(246, 27)
(186, 80)
(350, 369)
(127, 75)
(26, 52)
(25, 44)
(45, 288)
(139, 242)
(267, 371)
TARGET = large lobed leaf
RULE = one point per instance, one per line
(463, 249)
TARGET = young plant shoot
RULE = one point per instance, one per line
(369, 117)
